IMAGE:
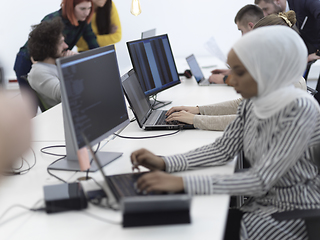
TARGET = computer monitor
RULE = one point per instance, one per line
(92, 102)
(153, 62)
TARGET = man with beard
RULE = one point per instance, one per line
(46, 44)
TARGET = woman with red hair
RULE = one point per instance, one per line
(76, 16)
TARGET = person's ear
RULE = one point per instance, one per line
(251, 25)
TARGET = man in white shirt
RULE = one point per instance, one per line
(46, 44)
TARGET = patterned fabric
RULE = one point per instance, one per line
(282, 175)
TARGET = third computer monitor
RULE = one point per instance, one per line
(154, 64)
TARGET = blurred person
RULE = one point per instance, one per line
(245, 19)
(76, 16)
(276, 128)
(218, 116)
(15, 128)
(45, 44)
(105, 24)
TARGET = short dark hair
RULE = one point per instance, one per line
(249, 13)
(44, 38)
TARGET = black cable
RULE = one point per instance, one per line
(51, 174)
(53, 154)
(20, 206)
(23, 171)
(156, 136)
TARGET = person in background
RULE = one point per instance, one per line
(308, 19)
(76, 16)
(105, 25)
(245, 19)
(218, 116)
(308, 24)
(15, 128)
(277, 127)
(45, 44)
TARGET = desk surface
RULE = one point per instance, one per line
(208, 213)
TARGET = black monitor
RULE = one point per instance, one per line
(92, 101)
(153, 62)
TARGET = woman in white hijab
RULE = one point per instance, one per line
(276, 128)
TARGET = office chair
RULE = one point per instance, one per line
(306, 73)
(311, 216)
(40, 103)
(312, 91)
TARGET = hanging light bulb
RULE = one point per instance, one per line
(135, 7)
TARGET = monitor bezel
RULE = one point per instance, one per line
(156, 91)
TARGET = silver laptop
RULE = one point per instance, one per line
(196, 71)
(149, 33)
(147, 118)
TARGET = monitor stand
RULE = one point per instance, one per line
(70, 162)
(73, 165)
(155, 104)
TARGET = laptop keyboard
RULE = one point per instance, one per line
(124, 183)
(162, 120)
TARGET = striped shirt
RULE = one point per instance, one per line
(282, 175)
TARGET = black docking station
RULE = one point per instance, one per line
(64, 197)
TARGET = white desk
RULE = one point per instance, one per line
(208, 213)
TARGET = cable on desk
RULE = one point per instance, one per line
(53, 154)
(155, 136)
(18, 171)
(33, 209)
(51, 174)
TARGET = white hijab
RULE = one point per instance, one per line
(276, 57)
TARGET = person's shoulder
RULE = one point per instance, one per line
(41, 68)
(302, 106)
(52, 15)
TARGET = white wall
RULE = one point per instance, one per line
(189, 24)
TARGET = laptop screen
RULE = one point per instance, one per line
(136, 98)
(195, 68)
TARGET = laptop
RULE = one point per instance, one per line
(148, 33)
(147, 118)
(196, 71)
(122, 185)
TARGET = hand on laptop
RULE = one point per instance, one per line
(181, 116)
(159, 181)
(193, 110)
(145, 158)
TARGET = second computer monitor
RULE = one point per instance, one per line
(153, 62)
(92, 102)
